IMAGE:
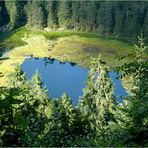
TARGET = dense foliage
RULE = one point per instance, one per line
(28, 117)
(118, 18)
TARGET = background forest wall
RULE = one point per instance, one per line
(121, 19)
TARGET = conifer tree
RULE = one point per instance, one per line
(54, 135)
(97, 103)
(38, 91)
(52, 14)
(91, 13)
(39, 95)
(27, 109)
(64, 14)
(75, 14)
(101, 20)
(14, 104)
(61, 125)
(69, 109)
(35, 15)
(133, 113)
(82, 15)
(15, 10)
(119, 20)
(12, 11)
(18, 78)
(38, 113)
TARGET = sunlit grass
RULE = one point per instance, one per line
(35, 45)
(80, 49)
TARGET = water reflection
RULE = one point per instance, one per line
(48, 61)
(72, 64)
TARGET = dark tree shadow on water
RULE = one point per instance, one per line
(72, 64)
(61, 63)
(48, 61)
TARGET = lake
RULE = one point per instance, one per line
(67, 77)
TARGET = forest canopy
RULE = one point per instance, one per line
(118, 18)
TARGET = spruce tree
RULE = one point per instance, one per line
(14, 104)
(61, 124)
(29, 109)
(133, 113)
(38, 111)
(91, 13)
(101, 20)
(119, 20)
(35, 15)
(97, 103)
(64, 14)
(52, 14)
(82, 15)
(12, 11)
(38, 92)
(75, 14)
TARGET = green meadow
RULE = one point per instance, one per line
(70, 46)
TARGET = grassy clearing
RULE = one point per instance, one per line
(36, 45)
(80, 49)
(69, 46)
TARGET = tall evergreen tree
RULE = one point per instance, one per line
(25, 110)
(61, 125)
(133, 113)
(100, 19)
(75, 14)
(119, 20)
(82, 15)
(12, 11)
(38, 91)
(64, 14)
(91, 13)
(97, 103)
(35, 15)
(38, 115)
(14, 103)
(52, 14)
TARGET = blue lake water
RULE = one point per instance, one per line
(66, 77)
